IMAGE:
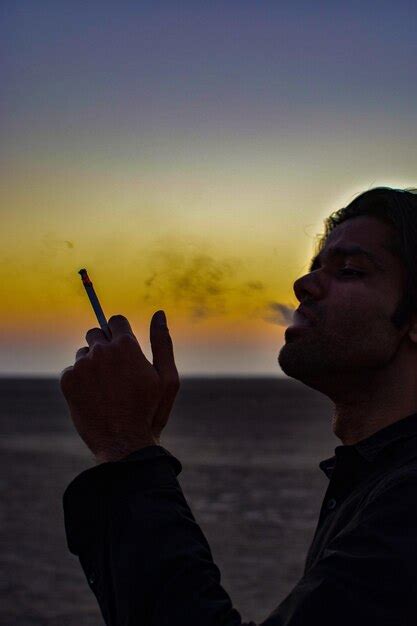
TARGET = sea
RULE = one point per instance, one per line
(250, 450)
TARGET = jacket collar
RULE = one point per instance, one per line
(373, 447)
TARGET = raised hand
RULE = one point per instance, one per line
(119, 401)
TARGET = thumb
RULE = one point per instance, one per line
(164, 363)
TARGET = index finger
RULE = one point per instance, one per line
(119, 326)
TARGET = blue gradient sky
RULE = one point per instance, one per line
(230, 127)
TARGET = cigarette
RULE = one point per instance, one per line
(92, 296)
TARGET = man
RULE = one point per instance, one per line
(354, 338)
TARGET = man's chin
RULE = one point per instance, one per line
(301, 364)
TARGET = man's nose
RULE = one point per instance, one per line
(308, 287)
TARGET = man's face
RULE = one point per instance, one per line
(353, 302)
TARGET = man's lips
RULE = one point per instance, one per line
(303, 317)
(300, 320)
(306, 313)
(303, 320)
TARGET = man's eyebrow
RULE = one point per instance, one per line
(339, 251)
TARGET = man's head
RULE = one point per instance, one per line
(362, 291)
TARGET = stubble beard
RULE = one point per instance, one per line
(321, 359)
(309, 358)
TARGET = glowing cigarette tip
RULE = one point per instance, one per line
(85, 278)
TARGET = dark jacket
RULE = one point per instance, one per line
(149, 564)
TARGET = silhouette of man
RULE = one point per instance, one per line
(354, 339)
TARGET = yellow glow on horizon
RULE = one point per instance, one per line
(213, 246)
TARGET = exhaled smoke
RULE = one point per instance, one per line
(280, 314)
(196, 282)
(206, 286)
(54, 244)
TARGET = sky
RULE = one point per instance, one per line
(187, 154)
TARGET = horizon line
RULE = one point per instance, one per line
(55, 376)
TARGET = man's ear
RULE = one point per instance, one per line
(412, 331)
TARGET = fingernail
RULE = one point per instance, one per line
(160, 318)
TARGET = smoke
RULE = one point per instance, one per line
(55, 245)
(255, 285)
(280, 314)
(205, 286)
(196, 282)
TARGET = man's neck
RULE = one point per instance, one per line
(363, 412)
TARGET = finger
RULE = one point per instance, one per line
(95, 335)
(161, 344)
(164, 363)
(66, 378)
(81, 352)
(119, 326)
(66, 371)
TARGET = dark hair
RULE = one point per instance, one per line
(398, 208)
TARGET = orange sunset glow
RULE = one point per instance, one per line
(184, 177)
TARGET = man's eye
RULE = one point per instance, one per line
(347, 271)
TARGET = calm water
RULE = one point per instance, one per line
(250, 450)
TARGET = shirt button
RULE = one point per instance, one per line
(92, 579)
(331, 504)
